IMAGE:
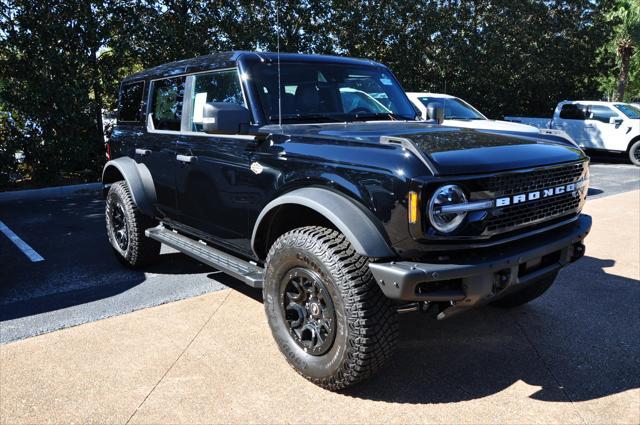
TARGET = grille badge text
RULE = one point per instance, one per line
(540, 194)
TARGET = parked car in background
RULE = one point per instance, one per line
(603, 126)
(458, 113)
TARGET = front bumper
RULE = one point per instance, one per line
(476, 277)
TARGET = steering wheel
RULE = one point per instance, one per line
(361, 110)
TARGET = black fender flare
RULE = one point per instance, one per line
(138, 179)
(359, 226)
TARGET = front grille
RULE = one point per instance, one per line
(511, 184)
(515, 216)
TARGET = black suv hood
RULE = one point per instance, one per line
(447, 150)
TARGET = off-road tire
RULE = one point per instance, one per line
(367, 324)
(634, 153)
(529, 293)
(140, 250)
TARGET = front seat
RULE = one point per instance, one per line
(307, 99)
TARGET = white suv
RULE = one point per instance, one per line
(609, 126)
(458, 113)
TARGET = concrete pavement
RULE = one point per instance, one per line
(570, 357)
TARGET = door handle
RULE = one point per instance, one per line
(186, 158)
(143, 152)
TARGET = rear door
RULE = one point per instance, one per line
(215, 184)
(157, 148)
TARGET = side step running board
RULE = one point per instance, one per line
(251, 274)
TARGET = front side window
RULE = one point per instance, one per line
(601, 113)
(130, 102)
(454, 108)
(166, 107)
(325, 92)
(572, 111)
(220, 86)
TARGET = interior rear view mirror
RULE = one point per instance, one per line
(224, 117)
(435, 112)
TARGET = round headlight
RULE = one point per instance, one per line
(446, 195)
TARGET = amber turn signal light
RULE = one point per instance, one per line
(413, 207)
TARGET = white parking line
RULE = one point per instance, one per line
(24, 247)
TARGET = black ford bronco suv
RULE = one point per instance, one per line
(308, 176)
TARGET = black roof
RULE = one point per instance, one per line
(228, 60)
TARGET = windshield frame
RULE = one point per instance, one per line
(248, 62)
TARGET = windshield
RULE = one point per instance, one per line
(630, 111)
(325, 92)
(454, 108)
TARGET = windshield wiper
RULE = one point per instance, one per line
(304, 117)
(453, 117)
(367, 116)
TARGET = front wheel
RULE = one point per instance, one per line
(634, 153)
(326, 312)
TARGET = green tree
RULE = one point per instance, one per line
(52, 81)
(621, 53)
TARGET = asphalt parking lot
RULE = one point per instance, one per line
(571, 356)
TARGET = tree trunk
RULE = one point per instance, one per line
(623, 79)
(97, 91)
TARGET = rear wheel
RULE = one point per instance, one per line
(326, 312)
(634, 153)
(126, 226)
(529, 293)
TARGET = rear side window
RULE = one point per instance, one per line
(601, 113)
(572, 111)
(130, 102)
(166, 106)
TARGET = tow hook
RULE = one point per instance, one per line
(502, 280)
(578, 251)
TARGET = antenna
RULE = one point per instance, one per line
(279, 80)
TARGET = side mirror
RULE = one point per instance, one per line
(616, 121)
(435, 112)
(224, 117)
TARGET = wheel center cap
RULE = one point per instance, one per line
(315, 309)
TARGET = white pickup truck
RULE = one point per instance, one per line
(458, 113)
(606, 126)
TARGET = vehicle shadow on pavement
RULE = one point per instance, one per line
(577, 342)
(123, 279)
(79, 266)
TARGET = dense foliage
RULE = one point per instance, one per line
(61, 60)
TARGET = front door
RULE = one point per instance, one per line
(601, 132)
(215, 184)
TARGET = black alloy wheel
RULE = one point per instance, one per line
(120, 227)
(308, 310)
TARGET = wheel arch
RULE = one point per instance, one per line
(320, 206)
(137, 177)
(632, 141)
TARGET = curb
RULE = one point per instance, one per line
(48, 192)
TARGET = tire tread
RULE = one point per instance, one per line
(371, 317)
